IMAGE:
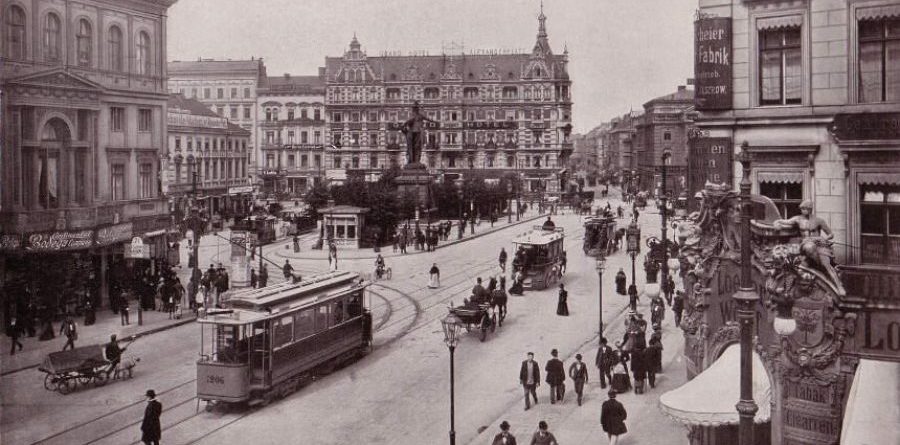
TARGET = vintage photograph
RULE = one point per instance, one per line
(483, 222)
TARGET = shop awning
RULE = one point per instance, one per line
(780, 177)
(709, 399)
(873, 406)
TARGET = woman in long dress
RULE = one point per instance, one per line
(434, 281)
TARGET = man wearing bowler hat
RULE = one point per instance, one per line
(612, 418)
(504, 437)
(151, 431)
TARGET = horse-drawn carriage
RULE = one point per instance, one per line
(640, 200)
(539, 256)
(66, 370)
(600, 236)
(476, 316)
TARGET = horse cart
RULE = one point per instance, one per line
(600, 236)
(479, 316)
(539, 256)
(67, 370)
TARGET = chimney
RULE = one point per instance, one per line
(682, 87)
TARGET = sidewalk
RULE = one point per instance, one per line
(571, 423)
(107, 323)
(484, 228)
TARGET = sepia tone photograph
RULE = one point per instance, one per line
(474, 222)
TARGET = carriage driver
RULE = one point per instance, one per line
(113, 354)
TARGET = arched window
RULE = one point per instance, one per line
(84, 42)
(116, 49)
(143, 54)
(15, 33)
(52, 38)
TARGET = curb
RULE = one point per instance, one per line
(448, 243)
(135, 335)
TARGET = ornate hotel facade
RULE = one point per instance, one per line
(493, 113)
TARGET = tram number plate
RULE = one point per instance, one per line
(215, 380)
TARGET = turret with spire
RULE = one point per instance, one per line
(542, 46)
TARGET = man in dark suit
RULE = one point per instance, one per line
(612, 418)
(504, 437)
(578, 373)
(605, 361)
(530, 379)
(556, 377)
(151, 431)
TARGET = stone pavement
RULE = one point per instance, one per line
(573, 424)
(107, 323)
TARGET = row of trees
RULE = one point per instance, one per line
(388, 208)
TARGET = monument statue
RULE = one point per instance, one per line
(814, 247)
(413, 129)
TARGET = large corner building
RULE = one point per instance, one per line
(493, 112)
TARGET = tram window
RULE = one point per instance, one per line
(304, 324)
(230, 344)
(322, 317)
(337, 312)
(354, 305)
(284, 331)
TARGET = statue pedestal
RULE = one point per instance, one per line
(415, 179)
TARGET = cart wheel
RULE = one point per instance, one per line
(494, 323)
(66, 385)
(100, 378)
(85, 377)
(51, 382)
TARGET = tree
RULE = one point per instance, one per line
(316, 198)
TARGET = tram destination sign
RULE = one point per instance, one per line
(712, 63)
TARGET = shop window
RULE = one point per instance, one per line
(780, 66)
(879, 60)
(786, 196)
(880, 224)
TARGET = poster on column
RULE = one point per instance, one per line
(239, 263)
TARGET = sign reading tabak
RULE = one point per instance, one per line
(712, 63)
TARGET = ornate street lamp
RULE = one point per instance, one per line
(664, 267)
(600, 266)
(746, 299)
(633, 247)
(452, 326)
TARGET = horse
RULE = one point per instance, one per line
(498, 303)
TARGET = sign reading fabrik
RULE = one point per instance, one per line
(712, 63)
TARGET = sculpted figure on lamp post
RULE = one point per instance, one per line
(814, 247)
(413, 128)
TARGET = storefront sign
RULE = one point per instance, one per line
(80, 239)
(866, 126)
(114, 234)
(723, 307)
(873, 286)
(712, 63)
(137, 249)
(237, 190)
(709, 160)
(492, 125)
(182, 118)
(877, 335)
(807, 412)
(10, 242)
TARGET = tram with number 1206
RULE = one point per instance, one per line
(268, 342)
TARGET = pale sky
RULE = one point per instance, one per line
(622, 53)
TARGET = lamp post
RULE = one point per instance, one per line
(509, 188)
(459, 194)
(664, 211)
(633, 247)
(600, 266)
(452, 326)
(746, 299)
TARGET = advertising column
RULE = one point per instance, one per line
(240, 275)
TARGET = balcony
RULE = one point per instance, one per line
(81, 218)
